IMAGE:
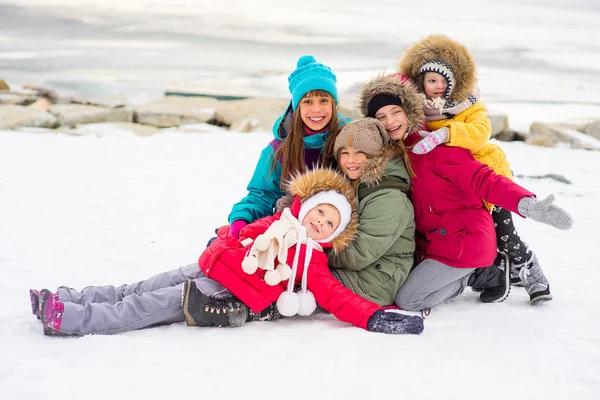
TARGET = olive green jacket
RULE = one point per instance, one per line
(379, 259)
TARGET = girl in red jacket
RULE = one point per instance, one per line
(456, 239)
(274, 254)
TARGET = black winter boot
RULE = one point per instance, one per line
(268, 314)
(203, 310)
(493, 282)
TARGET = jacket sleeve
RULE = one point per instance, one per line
(460, 167)
(378, 230)
(263, 191)
(473, 132)
(334, 297)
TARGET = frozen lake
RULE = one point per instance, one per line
(540, 57)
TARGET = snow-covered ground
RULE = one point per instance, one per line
(115, 208)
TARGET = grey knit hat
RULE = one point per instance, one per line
(365, 134)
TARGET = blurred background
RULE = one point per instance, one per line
(537, 59)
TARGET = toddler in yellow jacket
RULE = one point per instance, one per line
(444, 72)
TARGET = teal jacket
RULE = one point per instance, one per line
(264, 188)
(378, 261)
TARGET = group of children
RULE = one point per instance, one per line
(429, 123)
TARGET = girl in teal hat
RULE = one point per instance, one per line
(303, 138)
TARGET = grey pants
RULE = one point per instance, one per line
(430, 283)
(110, 309)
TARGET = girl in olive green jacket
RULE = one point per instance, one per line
(379, 259)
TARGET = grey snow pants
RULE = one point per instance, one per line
(109, 309)
(430, 283)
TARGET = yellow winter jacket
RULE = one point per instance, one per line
(471, 130)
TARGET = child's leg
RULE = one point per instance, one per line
(430, 283)
(136, 311)
(507, 237)
(112, 295)
(520, 256)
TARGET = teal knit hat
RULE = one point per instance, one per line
(311, 75)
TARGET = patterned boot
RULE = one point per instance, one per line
(203, 310)
(535, 281)
(36, 301)
(268, 314)
(51, 312)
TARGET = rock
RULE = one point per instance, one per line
(42, 103)
(113, 128)
(17, 99)
(74, 114)
(250, 114)
(540, 140)
(593, 129)
(175, 111)
(4, 85)
(13, 117)
(558, 133)
(499, 127)
(506, 136)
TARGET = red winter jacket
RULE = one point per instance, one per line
(447, 192)
(222, 261)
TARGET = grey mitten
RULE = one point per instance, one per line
(546, 212)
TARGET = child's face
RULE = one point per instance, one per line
(351, 162)
(394, 120)
(321, 221)
(434, 85)
(316, 111)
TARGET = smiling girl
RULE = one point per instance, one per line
(379, 259)
(304, 137)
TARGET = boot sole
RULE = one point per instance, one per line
(186, 296)
(35, 303)
(45, 295)
(540, 297)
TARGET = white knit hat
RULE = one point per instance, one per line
(339, 201)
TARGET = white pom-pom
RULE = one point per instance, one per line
(272, 278)
(288, 304)
(250, 264)
(262, 243)
(284, 271)
(307, 303)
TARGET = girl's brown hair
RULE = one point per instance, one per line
(401, 150)
(420, 82)
(291, 151)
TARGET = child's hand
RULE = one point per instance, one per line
(546, 212)
(394, 322)
(236, 227)
(431, 140)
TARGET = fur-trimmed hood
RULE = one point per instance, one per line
(317, 180)
(412, 101)
(441, 47)
(375, 167)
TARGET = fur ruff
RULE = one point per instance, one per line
(374, 168)
(412, 101)
(441, 47)
(309, 183)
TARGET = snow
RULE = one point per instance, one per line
(112, 209)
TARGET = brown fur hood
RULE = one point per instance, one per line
(374, 168)
(441, 47)
(412, 101)
(317, 180)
